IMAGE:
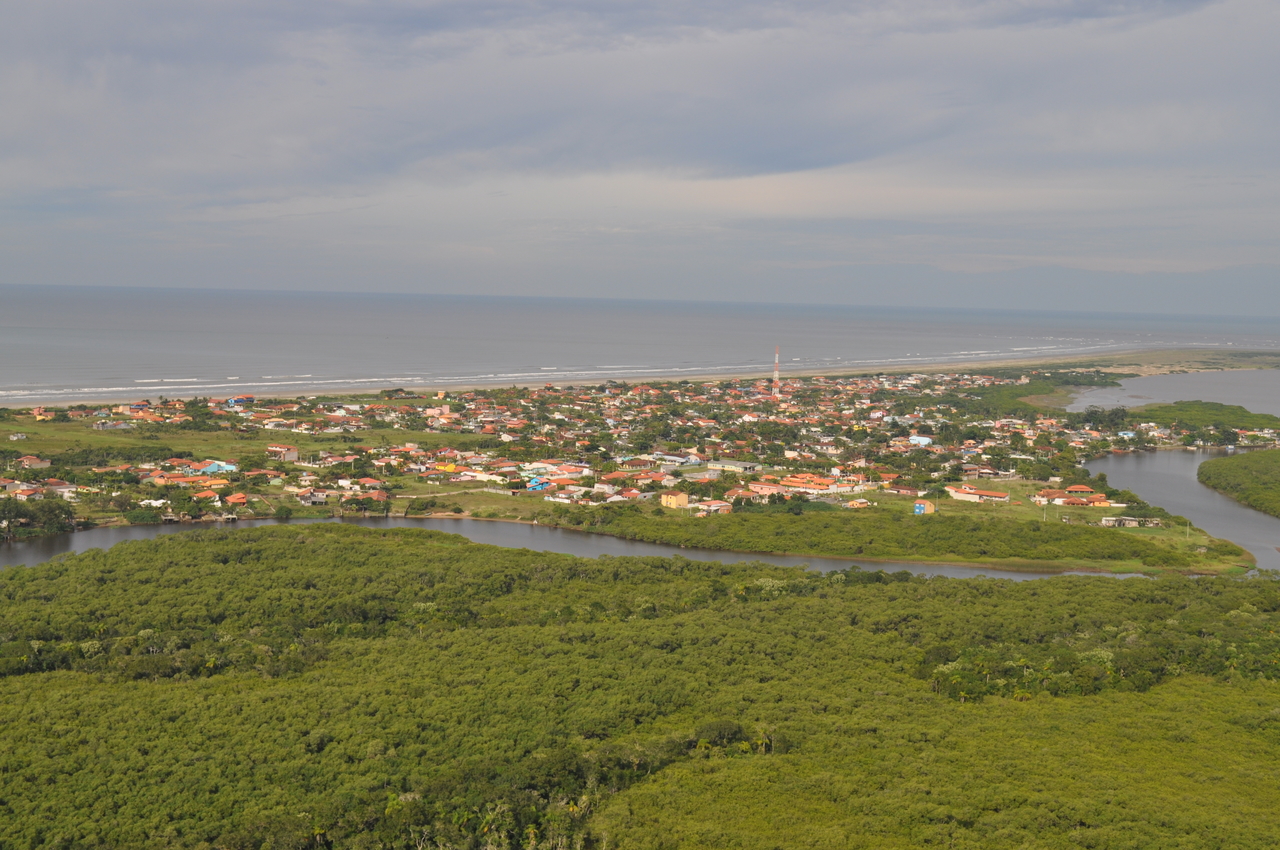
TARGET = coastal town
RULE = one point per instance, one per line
(702, 448)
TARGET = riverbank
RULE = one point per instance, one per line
(1250, 478)
(526, 535)
(1173, 475)
(1015, 565)
(960, 536)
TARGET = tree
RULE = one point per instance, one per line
(53, 515)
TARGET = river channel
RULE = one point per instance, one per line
(1165, 478)
(1168, 478)
(514, 535)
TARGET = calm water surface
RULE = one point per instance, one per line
(514, 535)
(98, 343)
(1168, 478)
(1258, 390)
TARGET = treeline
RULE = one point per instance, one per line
(1008, 399)
(876, 534)
(1194, 415)
(1251, 478)
(108, 455)
(44, 516)
(335, 686)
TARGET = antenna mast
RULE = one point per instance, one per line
(777, 386)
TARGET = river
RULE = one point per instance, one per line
(1168, 478)
(514, 535)
(1258, 390)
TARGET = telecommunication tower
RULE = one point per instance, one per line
(777, 385)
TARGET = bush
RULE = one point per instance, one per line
(719, 733)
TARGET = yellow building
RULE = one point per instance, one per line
(675, 499)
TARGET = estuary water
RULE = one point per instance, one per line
(513, 535)
(1168, 478)
(77, 343)
(1258, 390)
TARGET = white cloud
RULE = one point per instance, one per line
(439, 145)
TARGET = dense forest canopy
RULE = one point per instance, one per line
(1251, 478)
(899, 536)
(1205, 414)
(331, 685)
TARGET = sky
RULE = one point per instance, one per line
(1048, 154)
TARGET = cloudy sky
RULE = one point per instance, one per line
(1040, 153)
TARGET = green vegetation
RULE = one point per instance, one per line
(76, 443)
(1251, 478)
(28, 519)
(1206, 414)
(961, 533)
(333, 686)
(1027, 400)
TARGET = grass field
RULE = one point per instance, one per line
(50, 438)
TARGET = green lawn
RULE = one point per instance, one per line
(50, 438)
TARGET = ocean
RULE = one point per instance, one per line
(63, 344)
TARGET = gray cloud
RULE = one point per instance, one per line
(493, 146)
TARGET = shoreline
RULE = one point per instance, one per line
(1158, 365)
(1013, 565)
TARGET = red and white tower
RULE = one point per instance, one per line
(777, 384)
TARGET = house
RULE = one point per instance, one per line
(28, 495)
(32, 462)
(312, 497)
(741, 467)
(715, 506)
(924, 506)
(807, 482)
(904, 490)
(858, 504)
(212, 467)
(675, 499)
(208, 495)
(281, 452)
(764, 488)
(236, 500)
(61, 489)
(966, 493)
(372, 495)
(660, 478)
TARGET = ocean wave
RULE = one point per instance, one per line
(309, 384)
